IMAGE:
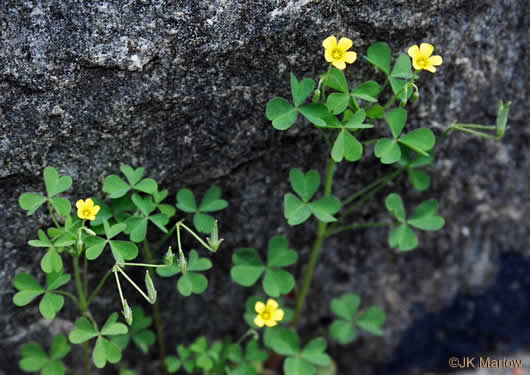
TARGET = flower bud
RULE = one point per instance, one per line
(214, 240)
(127, 312)
(89, 231)
(502, 117)
(169, 257)
(151, 291)
(316, 96)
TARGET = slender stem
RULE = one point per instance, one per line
(352, 197)
(371, 193)
(480, 134)
(181, 224)
(143, 265)
(333, 232)
(114, 269)
(132, 283)
(100, 285)
(250, 332)
(317, 247)
(67, 294)
(85, 275)
(323, 95)
(157, 317)
(476, 126)
(83, 305)
(50, 208)
(393, 98)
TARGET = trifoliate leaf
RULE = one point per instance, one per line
(281, 113)
(336, 80)
(115, 186)
(55, 184)
(419, 179)
(279, 255)
(315, 113)
(31, 202)
(337, 102)
(325, 208)
(403, 238)
(186, 201)
(394, 205)
(277, 282)
(315, 352)
(371, 320)
(297, 366)
(304, 185)
(387, 150)
(301, 90)
(346, 146)
(212, 201)
(248, 266)
(346, 306)
(132, 175)
(61, 205)
(282, 340)
(420, 140)
(203, 223)
(344, 332)
(402, 67)
(396, 120)
(295, 211)
(147, 185)
(378, 54)
(367, 91)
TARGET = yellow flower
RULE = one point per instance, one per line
(86, 209)
(422, 59)
(269, 314)
(337, 53)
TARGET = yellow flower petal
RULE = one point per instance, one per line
(426, 49)
(345, 44)
(259, 307)
(430, 68)
(436, 60)
(96, 209)
(415, 65)
(278, 315)
(92, 218)
(341, 65)
(270, 323)
(330, 42)
(89, 203)
(327, 55)
(80, 203)
(350, 57)
(272, 304)
(413, 52)
(259, 322)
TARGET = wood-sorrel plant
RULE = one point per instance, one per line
(134, 207)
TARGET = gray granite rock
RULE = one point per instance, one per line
(180, 88)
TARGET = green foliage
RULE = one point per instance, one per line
(211, 202)
(55, 184)
(299, 209)
(424, 217)
(199, 357)
(246, 361)
(248, 267)
(116, 187)
(299, 361)
(105, 350)
(344, 329)
(139, 332)
(121, 250)
(35, 359)
(190, 281)
(29, 289)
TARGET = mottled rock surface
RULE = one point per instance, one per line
(180, 87)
